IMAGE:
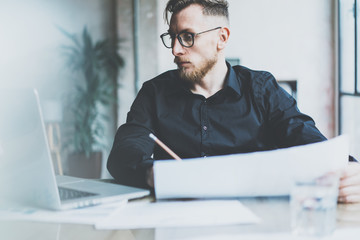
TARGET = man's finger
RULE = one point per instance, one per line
(352, 169)
(349, 199)
(349, 181)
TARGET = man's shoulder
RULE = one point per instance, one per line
(165, 78)
(163, 83)
(257, 81)
(251, 75)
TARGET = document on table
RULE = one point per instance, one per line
(267, 173)
(88, 215)
(179, 214)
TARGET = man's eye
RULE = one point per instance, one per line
(186, 37)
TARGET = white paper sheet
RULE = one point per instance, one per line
(179, 214)
(88, 215)
(267, 173)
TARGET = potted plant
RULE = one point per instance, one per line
(95, 65)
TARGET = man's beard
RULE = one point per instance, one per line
(196, 76)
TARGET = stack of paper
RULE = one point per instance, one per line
(179, 214)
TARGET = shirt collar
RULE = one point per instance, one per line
(231, 81)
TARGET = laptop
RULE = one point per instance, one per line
(27, 175)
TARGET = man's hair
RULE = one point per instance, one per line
(210, 7)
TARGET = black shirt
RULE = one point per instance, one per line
(251, 113)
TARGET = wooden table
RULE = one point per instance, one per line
(273, 211)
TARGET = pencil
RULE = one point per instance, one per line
(163, 146)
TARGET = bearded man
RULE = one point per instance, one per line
(207, 107)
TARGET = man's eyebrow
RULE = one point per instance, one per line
(184, 30)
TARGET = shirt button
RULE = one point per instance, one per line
(205, 128)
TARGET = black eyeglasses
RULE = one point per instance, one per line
(186, 39)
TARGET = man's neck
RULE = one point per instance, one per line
(213, 81)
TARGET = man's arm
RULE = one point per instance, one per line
(130, 156)
(290, 127)
(285, 124)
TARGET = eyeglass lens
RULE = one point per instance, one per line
(186, 39)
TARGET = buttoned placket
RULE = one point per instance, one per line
(204, 125)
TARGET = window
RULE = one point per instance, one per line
(349, 70)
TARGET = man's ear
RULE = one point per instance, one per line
(223, 37)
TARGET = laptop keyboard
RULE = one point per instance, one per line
(67, 193)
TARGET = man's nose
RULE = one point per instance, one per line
(177, 48)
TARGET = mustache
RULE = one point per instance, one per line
(178, 60)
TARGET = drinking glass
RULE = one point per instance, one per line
(313, 206)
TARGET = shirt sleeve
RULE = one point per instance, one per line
(285, 124)
(131, 152)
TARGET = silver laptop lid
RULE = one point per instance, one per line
(26, 171)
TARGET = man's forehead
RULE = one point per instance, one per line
(185, 21)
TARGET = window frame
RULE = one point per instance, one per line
(342, 93)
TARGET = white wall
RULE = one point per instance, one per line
(292, 39)
(30, 43)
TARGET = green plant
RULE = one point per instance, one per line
(96, 64)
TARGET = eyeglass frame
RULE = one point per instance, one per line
(193, 35)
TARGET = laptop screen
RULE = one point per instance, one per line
(26, 171)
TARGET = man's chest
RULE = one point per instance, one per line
(211, 127)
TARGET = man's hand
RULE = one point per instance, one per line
(349, 188)
(150, 177)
